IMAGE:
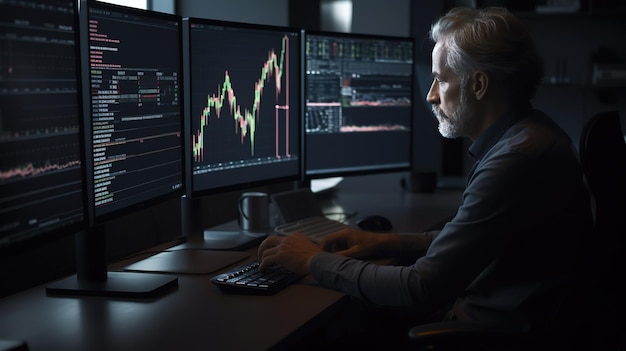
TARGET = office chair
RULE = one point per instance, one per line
(603, 157)
(592, 317)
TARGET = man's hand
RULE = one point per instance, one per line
(293, 252)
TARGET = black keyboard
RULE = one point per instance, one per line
(248, 279)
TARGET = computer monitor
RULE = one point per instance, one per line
(358, 95)
(133, 120)
(41, 180)
(244, 115)
(134, 114)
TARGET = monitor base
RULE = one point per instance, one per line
(117, 284)
(231, 239)
(188, 261)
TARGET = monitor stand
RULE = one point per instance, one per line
(237, 239)
(93, 279)
(227, 236)
(116, 284)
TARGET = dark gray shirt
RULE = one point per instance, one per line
(511, 247)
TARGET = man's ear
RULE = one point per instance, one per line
(480, 84)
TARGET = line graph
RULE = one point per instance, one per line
(30, 169)
(39, 155)
(246, 118)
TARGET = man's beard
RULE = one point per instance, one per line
(458, 123)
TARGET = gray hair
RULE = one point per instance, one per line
(494, 41)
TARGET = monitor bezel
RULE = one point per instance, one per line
(307, 177)
(187, 77)
(95, 219)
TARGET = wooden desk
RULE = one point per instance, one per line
(197, 315)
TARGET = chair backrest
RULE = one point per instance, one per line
(603, 157)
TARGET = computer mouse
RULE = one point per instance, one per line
(375, 223)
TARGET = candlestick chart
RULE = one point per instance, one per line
(244, 113)
(243, 110)
(245, 121)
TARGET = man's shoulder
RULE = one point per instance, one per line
(535, 134)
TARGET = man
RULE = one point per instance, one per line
(509, 252)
